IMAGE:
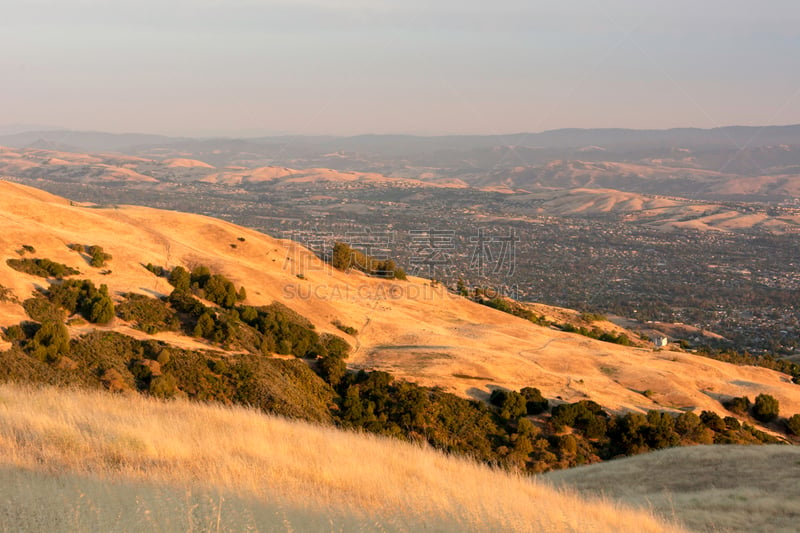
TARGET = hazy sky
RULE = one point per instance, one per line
(237, 67)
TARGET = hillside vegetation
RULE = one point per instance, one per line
(216, 468)
(411, 329)
(194, 307)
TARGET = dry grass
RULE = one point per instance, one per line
(709, 488)
(285, 472)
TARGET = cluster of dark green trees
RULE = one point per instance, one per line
(151, 315)
(201, 282)
(350, 330)
(97, 257)
(509, 306)
(267, 329)
(513, 308)
(596, 333)
(765, 408)
(81, 296)
(573, 433)
(344, 257)
(44, 268)
(745, 358)
(47, 339)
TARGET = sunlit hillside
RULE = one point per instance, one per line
(277, 475)
(414, 329)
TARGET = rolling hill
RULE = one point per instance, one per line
(657, 211)
(414, 329)
(651, 176)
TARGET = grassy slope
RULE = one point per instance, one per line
(92, 452)
(709, 488)
(410, 329)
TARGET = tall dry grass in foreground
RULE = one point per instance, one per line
(289, 471)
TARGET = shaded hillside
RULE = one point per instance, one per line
(709, 488)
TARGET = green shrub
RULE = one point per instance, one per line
(793, 424)
(335, 346)
(593, 317)
(100, 310)
(766, 408)
(7, 295)
(155, 269)
(760, 436)
(739, 405)
(628, 434)
(218, 366)
(509, 306)
(346, 329)
(205, 326)
(94, 304)
(50, 342)
(183, 302)
(221, 291)
(97, 257)
(41, 309)
(163, 386)
(586, 416)
(567, 445)
(344, 257)
(535, 403)
(332, 369)
(212, 287)
(511, 404)
(42, 267)
(283, 330)
(732, 423)
(691, 429)
(14, 333)
(180, 279)
(150, 315)
(712, 421)
(200, 276)
(660, 432)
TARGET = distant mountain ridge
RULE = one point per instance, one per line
(393, 145)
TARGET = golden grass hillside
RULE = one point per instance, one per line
(663, 212)
(709, 488)
(99, 449)
(414, 329)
